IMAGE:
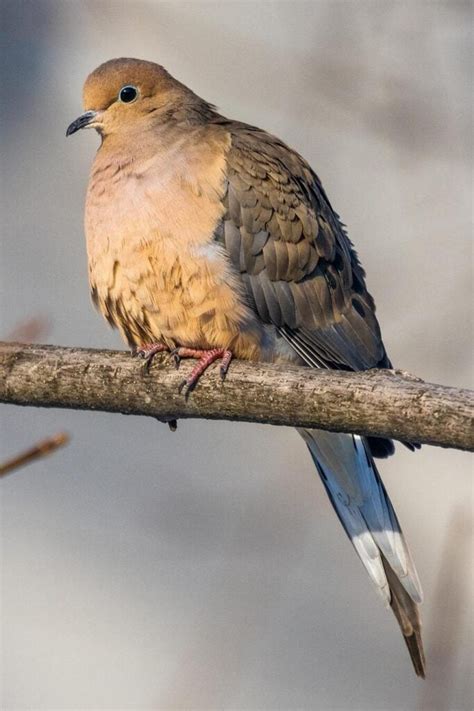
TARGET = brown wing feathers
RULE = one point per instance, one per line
(295, 259)
(298, 265)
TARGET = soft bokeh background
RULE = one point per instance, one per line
(206, 569)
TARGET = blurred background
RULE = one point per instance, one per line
(206, 569)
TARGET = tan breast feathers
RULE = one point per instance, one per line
(155, 271)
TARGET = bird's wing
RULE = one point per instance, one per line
(302, 275)
(300, 270)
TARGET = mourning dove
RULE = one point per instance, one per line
(211, 238)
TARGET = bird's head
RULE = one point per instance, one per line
(121, 92)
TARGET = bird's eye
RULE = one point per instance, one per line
(128, 94)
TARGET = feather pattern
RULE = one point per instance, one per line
(274, 197)
(303, 276)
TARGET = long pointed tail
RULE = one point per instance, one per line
(360, 500)
(408, 617)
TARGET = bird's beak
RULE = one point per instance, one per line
(84, 121)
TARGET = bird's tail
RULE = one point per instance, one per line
(360, 500)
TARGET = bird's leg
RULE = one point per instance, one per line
(206, 357)
(148, 351)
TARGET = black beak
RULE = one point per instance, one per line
(81, 122)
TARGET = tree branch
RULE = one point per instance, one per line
(376, 402)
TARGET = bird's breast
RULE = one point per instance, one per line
(155, 270)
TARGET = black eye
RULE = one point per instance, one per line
(128, 94)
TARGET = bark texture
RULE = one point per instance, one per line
(380, 403)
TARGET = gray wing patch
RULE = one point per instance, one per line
(300, 271)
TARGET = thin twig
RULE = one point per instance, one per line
(41, 449)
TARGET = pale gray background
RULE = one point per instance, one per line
(206, 569)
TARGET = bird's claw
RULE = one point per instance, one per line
(183, 384)
(174, 354)
(205, 358)
(148, 351)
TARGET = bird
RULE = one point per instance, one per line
(209, 238)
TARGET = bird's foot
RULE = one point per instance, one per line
(206, 357)
(149, 350)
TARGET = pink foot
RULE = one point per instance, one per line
(149, 350)
(206, 357)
